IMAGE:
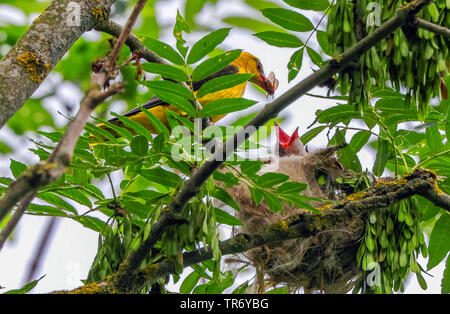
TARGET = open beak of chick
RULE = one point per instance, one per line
(289, 145)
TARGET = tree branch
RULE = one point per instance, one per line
(110, 64)
(46, 41)
(47, 172)
(192, 186)
(132, 41)
(437, 29)
(383, 194)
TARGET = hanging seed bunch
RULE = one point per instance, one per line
(113, 246)
(197, 223)
(410, 58)
(199, 226)
(392, 241)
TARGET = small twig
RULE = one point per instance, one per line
(41, 248)
(112, 187)
(132, 41)
(434, 28)
(110, 64)
(429, 158)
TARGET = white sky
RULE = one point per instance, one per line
(73, 247)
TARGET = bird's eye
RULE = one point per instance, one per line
(259, 67)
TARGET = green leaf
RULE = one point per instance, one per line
(213, 65)
(45, 210)
(157, 124)
(223, 196)
(206, 45)
(76, 195)
(139, 146)
(315, 57)
(17, 168)
(296, 60)
(54, 199)
(137, 127)
(316, 5)
(25, 288)
(5, 149)
(421, 280)
(359, 140)
(381, 158)
(250, 167)
(261, 4)
(433, 138)
(166, 71)
(279, 290)
(346, 155)
(288, 19)
(280, 39)
(189, 282)
(272, 201)
(94, 223)
(322, 38)
(252, 24)
(300, 201)
(163, 50)
(180, 26)
(99, 133)
(179, 102)
(225, 105)
(445, 284)
(439, 245)
(308, 136)
(256, 194)
(336, 114)
(223, 82)
(6, 181)
(122, 132)
(169, 87)
(227, 177)
(161, 176)
(291, 188)
(183, 120)
(270, 179)
(223, 217)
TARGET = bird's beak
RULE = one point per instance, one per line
(288, 145)
(264, 83)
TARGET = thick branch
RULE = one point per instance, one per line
(47, 172)
(34, 55)
(437, 29)
(61, 156)
(192, 186)
(383, 194)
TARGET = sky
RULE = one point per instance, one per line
(73, 247)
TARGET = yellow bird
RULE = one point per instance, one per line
(245, 63)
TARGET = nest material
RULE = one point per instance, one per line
(325, 262)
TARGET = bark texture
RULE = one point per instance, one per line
(46, 41)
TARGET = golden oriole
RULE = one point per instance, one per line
(245, 63)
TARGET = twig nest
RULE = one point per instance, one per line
(325, 262)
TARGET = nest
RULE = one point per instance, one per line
(325, 262)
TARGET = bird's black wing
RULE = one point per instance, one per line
(155, 101)
(229, 69)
